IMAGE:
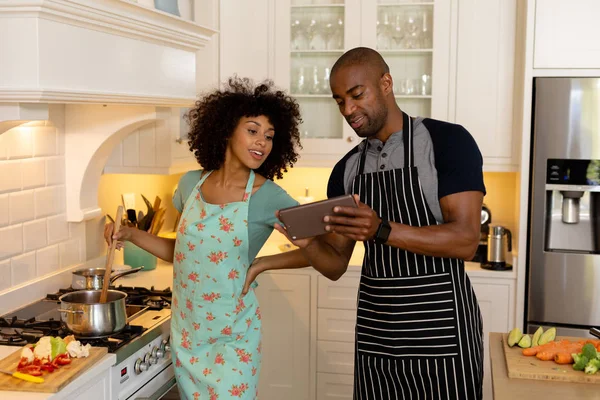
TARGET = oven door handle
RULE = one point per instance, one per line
(164, 389)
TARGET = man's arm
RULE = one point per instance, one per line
(456, 238)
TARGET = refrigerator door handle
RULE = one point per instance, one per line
(595, 332)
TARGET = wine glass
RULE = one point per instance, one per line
(384, 30)
(310, 30)
(296, 31)
(412, 32)
(397, 31)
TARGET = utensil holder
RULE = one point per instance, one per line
(137, 257)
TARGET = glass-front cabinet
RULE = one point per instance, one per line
(310, 35)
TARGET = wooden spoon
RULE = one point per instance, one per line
(110, 256)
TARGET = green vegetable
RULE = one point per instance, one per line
(525, 342)
(580, 362)
(514, 336)
(589, 351)
(57, 346)
(536, 336)
(592, 366)
(547, 336)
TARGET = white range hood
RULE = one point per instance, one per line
(116, 65)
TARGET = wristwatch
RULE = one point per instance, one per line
(383, 232)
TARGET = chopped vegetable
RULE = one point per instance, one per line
(58, 346)
(589, 351)
(514, 336)
(592, 366)
(76, 350)
(27, 354)
(43, 350)
(563, 358)
(580, 362)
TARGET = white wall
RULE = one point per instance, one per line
(35, 238)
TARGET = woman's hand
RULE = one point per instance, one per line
(125, 234)
(258, 266)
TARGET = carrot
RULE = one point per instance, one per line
(546, 355)
(532, 351)
(563, 358)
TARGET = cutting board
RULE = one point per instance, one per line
(524, 367)
(53, 381)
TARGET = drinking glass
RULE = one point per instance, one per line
(397, 31)
(296, 30)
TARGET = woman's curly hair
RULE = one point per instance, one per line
(217, 114)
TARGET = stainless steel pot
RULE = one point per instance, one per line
(93, 278)
(82, 313)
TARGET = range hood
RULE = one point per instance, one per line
(115, 65)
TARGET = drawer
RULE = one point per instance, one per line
(336, 325)
(334, 386)
(338, 294)
(335, 357)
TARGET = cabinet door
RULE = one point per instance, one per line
(285, 306)
(485, 54)
(334, 386)
(494, 302)
(309, 37)
(566, 34)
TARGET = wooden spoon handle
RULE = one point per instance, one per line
(110, 257)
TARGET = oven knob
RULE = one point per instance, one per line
(140, 366)
(149, 360)
(160, 353)
(154, 356)
(166, 346)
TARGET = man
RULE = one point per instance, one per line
(420, 186)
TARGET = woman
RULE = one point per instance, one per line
(243, 136)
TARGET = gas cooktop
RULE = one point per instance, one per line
(146, 309)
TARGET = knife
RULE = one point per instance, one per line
(25, 377)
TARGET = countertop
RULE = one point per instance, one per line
(104, 364)
(162, 276)
(512, 388)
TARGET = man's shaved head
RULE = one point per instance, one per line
(365, 57)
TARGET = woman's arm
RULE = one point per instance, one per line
(162, 248)
(329, 254)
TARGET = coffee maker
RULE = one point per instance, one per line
(482, 248)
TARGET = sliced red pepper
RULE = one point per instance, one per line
(47, 367)
(63, 359)
(33, 370)
(23, 362)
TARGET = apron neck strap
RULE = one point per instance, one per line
(407, 141)
(407, 137)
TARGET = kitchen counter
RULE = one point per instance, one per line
(512, 388)
(100, 367)
(162, 276)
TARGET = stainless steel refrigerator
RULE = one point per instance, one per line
(563, 254)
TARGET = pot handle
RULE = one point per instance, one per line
(129, 271)
(71, 311)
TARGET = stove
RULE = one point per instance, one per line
(141, 348)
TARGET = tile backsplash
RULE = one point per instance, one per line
(35, 237)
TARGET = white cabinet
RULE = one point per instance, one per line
(485, 66)
(159, 147)
(291, 304)
(496, 300)
(566, 34)
(285, 306)
(311, 35)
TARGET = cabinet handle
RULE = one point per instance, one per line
(179, 140)
(350, 139)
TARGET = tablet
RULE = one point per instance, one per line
(306, 220)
